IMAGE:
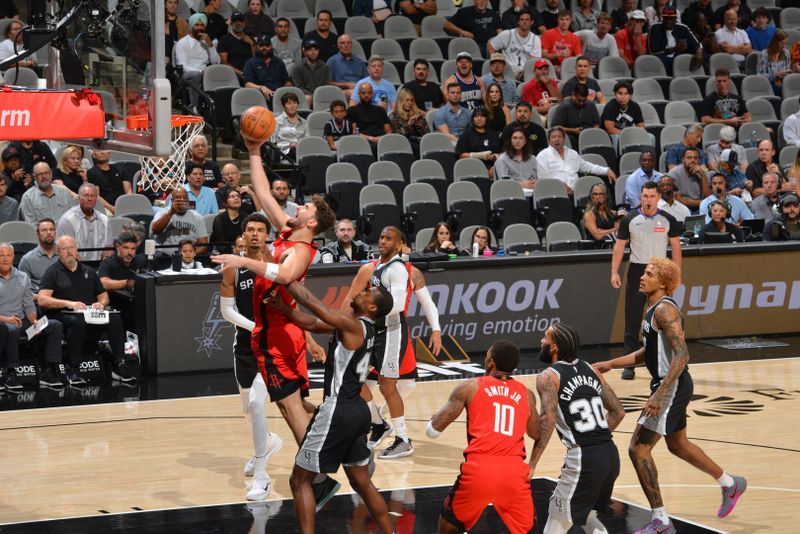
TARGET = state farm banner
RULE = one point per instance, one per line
(50, 115)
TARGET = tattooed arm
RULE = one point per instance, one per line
(668, 320)
(547, 385)
(611, 403)
(533, 419)
(459, 398)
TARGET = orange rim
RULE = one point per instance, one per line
(139, 122)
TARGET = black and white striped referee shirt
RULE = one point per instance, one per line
(648, 236)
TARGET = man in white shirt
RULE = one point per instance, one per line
(517, 45)
(86, 225)
(561, 163)
(733, 40)
(667, 202)
(194, 52)
(791, 129)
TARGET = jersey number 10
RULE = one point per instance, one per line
(591, 415)
(503, 419)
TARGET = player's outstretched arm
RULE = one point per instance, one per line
(258, 178)
(283, 273)
(307, 322)
(359, 283)
(429, 308)
(352, 335)
(629, 360)
(448, 413)
(612, 404)
(547, 386)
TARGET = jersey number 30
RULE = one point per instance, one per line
(591, 415)
(503, 419)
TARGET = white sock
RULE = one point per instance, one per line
(661, 513)
(400, 427)
(726, 481)
(556, 526)
(593, 525)
(374, 413)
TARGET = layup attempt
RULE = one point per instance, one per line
(337, 434)
(500, 411)
(573, 396)
(664, 414)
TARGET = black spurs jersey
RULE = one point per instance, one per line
(346, 370)
(657, 352)
(383, 276)
(580, 420)
(243, 293)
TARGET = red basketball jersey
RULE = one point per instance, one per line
(497, 418)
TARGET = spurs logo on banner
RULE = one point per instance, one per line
(212, 327)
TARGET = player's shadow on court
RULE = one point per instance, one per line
(224, 465)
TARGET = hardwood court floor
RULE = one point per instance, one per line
(89, 460)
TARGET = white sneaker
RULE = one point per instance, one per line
(250, 467)
(259, 489)
(274, 445)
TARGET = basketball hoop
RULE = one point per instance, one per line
(164, 173)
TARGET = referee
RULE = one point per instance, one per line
(649, 230)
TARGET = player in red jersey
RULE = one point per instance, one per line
(500, 411)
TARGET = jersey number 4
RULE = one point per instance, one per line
(503, 419)
(591, 414)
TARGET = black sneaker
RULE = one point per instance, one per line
(324, 491)
(2, 379)
(75, 379)
(124, 372)
(12, 381)
(378, 433)
(49, 378)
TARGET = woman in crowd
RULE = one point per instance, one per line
(175, 26)
(483, 237)
(441, 240)
(478, 141)
(227, 225)
(70, 172)
(599, 220)
(290, 127)
(584, 17)
(517, 161)
(774, 62)
(408, 120)
(498, 114)
(793, 173)
(256, 21)
(718, 211)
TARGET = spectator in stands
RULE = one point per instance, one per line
(216, 26)
(738, 184)
(175, 27)
(559, 43)
(733, 40)
(631, 40)
(483, 237)
(600, 43)
(36, 261)
(344, 68)
(509, 19)
(791, 129)
(118, 274)
(265, 72)
(552, 9)
(599, 220)
(691, 178)
(479, 140)
(240, 246)
(722, 106)
(584, 16)
(14, 175)
(472, 87)
(645, 173)
(346, 248)
(765, 206)
(428, 95)
(69, 172)
(17, 313)
(232, 178)
(517, 45)
(668, 203)
(201, 198)
(785, 226)
(188, 252)
(108, 179)
(764, 164)
(668, 39)
(498, 113)
(691, 14)
(194, 52)
(236, 47)
(496, 75)
(692, 138)
(408, 120)
(583, 70)
(256, 21)
(285, 46)
(478, 22)
(452, 119)
(577, 114)
(562, 163)
(541, 91)
(761, 32)
(522, 117)
(415, 10)
(32, 152)
(384, 94)
(279, 189)
(621, 112)
(46, 199)
(70, 285)
(13, 45)
(717, 223)
(198, 150)
(775, 62)
(376, 10)
(372, 120)
(9, 207)
(719, 192)
(705, 35)
(227, 224)
(177, 222)
(743, 13)
(339, 125)
(727, 136)
(442, 240)
(655, 13)
(88, 227)
(517, 161)
(311, 73)
(323, 35)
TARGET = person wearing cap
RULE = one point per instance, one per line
(668, 39)
(727, 136)
(722, 106)
(265, 72)
(562, 163)
(541, 91)
(236, 47)
(286, 47)
(497, 74)
(194, 53)
(344, 68)
(583, 70)
(323, 35)
(733, 40)
(691, 14)
(478, 22)
(738, 211)
(16, 179)
(743, 14)
(32, 152)
(216, 26)
(655, 13)
(785, 226)
(427, 94)
(631, 40)
(738, 184)
(472, 87)
(517, 45)
(311, 73)
(384, 94)
(509, 17)
(576, 114)
(560, 43)
(621, 15)
(257, 21)
(598, 43)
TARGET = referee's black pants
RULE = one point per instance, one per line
(634, 307)
(75, 333)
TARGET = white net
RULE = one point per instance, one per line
(165, 173)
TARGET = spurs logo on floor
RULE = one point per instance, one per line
(212, 327)
(702, 405)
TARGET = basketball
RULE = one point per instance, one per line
(257, 124)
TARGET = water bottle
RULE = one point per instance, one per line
(753, 140)
(474, 250)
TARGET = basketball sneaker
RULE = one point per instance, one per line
(274, 444)
(730, 496)
(74, 378)
(657, 527)
(399, 449)
(49, 378)
(260, 487)
(379, 433)
(12, 381)
(324, 491)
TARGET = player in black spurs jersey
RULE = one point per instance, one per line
(573, 397)
(666, 357)
(337, 434)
